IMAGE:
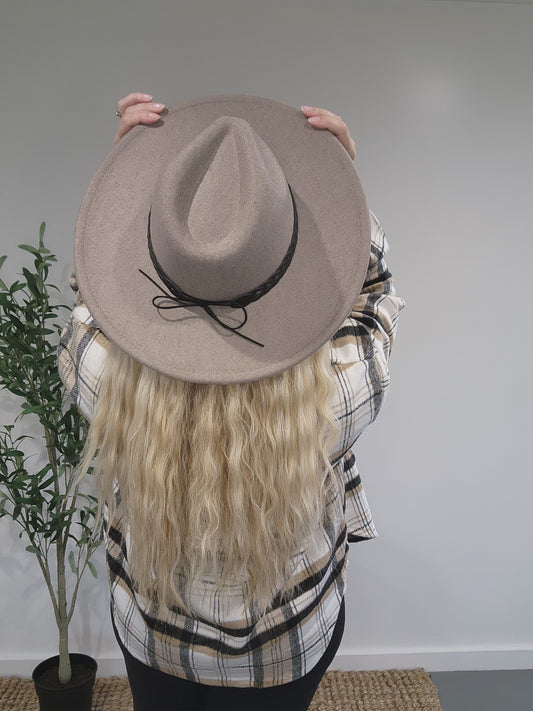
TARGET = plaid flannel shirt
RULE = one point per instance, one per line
(223, 644)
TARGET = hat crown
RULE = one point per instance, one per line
(221, 212)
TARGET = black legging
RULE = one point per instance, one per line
(154, 690)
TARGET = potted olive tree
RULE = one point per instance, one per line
(56, 518)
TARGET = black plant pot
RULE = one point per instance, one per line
(76, 695)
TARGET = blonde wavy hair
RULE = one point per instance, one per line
(226, 482)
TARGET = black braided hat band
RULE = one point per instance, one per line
(180, 299)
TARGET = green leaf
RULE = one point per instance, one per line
(37, 409)
(11, 452)
(44, 484)
(72, 562)
(40, 284)
(42, 331)
(33, 549)
(32, 283)
(29, 248)
(2, 260)
(16, 286)
(92, 568)
(43, 249)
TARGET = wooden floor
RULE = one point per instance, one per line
(485, 690)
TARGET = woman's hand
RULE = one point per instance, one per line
(322, 118)
(136, 108)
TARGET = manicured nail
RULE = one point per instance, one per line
(159, 106)
(306, 108)
(147, 96)
(314, 119)
(152, 115)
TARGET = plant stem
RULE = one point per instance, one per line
(46, 574)
(62, 623)
(64, 672)
(75, 593)
(51, 450)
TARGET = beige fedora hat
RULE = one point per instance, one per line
(225, 243)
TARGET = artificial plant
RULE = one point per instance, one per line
(56, 518)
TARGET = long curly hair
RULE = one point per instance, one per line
(224, 482)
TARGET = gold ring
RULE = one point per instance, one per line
(118, 114)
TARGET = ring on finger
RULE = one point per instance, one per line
(119, 114)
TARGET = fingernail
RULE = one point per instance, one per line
(306, 108)
(147, 97)
(314, 119)
(158, 106)
(152, 115)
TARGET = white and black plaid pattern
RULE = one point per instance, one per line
(222, 645)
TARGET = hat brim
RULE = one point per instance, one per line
(295, 318)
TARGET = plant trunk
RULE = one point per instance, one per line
(65, 671)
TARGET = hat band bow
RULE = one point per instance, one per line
(180, 299)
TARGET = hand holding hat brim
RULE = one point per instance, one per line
(136, 108)
(322, 118)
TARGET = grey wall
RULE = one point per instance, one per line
(438, 98)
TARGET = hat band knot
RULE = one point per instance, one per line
(180, 299)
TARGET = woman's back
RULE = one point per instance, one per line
(223, 639)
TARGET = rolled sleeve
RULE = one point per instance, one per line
(80, 358)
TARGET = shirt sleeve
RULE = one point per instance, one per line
(360, 355)
(80, 358)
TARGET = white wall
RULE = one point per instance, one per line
(438, 98)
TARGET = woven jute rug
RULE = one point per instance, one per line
(389, 690)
